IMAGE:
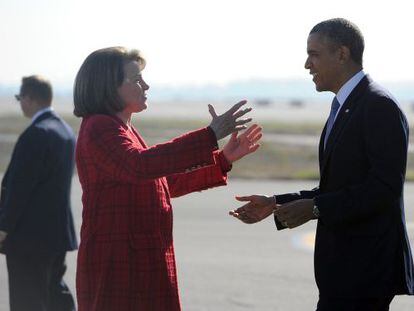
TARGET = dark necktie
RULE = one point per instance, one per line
(334, 109)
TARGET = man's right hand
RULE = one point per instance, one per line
(258, 208)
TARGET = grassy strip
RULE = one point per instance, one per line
(271, 161)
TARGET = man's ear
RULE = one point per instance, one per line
(344, 54)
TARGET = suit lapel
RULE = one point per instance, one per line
(341, 120)
(321, 140)
(139, 137)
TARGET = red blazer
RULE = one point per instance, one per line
(126, 255)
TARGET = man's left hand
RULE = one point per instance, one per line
(296, 213)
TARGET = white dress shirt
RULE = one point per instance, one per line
(347, 88)
(40, 112)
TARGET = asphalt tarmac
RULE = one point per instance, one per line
(225, 265)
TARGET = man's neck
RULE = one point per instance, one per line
(39, 112)
(346, 75)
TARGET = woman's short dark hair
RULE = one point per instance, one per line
(342, 32)
(37, 88)
(96, 84)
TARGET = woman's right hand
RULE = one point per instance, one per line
(229, 122)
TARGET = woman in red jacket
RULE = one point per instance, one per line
(126, 255)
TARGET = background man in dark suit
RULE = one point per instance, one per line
(362, 252)
(36, 223)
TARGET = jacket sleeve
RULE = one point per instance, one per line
(386, 141)
(24, 174)
(289, 197)
(200, 178)
(115, 153)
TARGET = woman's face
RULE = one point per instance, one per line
(133, 88)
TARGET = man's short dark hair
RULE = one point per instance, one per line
(37, 88)
(342, 32)
(98, 80)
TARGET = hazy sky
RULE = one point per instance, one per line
(190, 41)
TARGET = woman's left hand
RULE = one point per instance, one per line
(241, 145)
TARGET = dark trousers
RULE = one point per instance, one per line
(362, 304)
(36, 283)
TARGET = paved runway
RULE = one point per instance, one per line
(226, 265)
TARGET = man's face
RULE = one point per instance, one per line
(25, 105)
(324, 63)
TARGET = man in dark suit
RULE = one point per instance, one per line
(362, 252)
(36, 223)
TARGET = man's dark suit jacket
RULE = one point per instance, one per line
(362, 248)
(35, 206)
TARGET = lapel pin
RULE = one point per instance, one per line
(347, 110)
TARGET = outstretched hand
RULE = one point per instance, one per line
(241, 145)
(229, 122)
(258, 208)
